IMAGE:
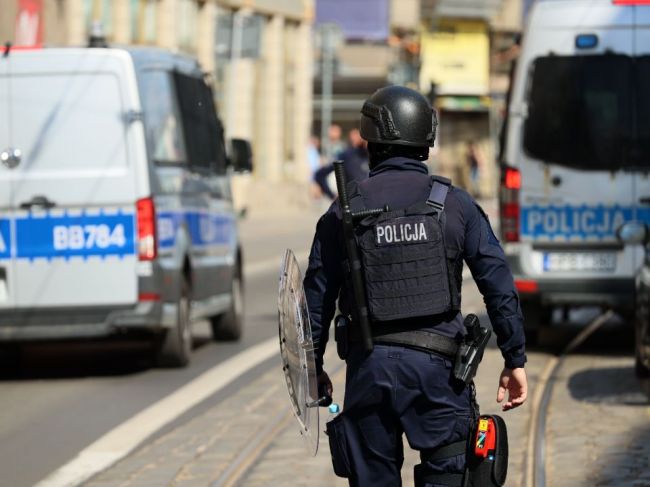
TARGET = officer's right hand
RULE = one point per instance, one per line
(515, 382)
(324, 383)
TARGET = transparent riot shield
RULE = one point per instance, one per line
(297, 351)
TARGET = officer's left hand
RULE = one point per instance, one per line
(515, 382)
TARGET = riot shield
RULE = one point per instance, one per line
(297, 351)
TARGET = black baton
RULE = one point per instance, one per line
(356, 276)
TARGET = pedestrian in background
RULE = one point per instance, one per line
(336, 143)
(355, 161)
(475, 163)
(412, 259)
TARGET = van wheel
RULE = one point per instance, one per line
(176, 346)
(537, 320)
(228, 326)
(640, 365)
(641, 370)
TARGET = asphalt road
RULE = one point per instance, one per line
(63, 396)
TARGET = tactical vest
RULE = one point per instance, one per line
(404, 258)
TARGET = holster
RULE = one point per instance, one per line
(342, 336)
(488, 469)
(337, 433)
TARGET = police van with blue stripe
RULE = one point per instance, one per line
(116, 212)
(577, 155)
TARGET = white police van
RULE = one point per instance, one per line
(577, 155)
(115, 206)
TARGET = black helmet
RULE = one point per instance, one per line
(398, 115)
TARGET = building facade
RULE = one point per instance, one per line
(257, 52)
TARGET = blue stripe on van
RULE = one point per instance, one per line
(64, 236)
(5, 239)
(205, 229)
(583, 221)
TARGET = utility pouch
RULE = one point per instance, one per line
(339, 448)
(342, 336)
(470, 351)
(487, 459)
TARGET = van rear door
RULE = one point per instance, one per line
(6, 263)
(73, 194)
(577, 188)
(642, 82)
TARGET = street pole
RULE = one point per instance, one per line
(235, 55)
(328, 39)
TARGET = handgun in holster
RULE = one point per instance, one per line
(342, 336)
(470, 351)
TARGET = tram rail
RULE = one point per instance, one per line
(535, 473)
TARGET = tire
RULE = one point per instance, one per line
(640, 368)
(176, 347)
(537, 319)
(640, 361)
(228, 326)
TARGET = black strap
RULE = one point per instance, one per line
(443, 452)
(420, 340)
(447, 479)
(438, 194)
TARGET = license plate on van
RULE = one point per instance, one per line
(578, 261)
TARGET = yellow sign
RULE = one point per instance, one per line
(456, 57)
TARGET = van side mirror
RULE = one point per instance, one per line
(241, 155)
(633, 233)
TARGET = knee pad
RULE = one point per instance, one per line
(422, 474)
(486, 458)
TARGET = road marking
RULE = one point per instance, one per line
(119, 442)
(267, 265)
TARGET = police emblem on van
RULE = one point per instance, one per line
(402, 230)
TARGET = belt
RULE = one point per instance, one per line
(423, 340)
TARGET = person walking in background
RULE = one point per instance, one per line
(314, 160)
(475, 162)
(355, 161)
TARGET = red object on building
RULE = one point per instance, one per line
(29, 23)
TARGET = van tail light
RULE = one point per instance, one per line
(525, 286)
(509, 204)
(147, 244)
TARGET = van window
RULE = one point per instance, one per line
(161, 118)
(580, 111)
(65, 121)
(202, 129)
(643, 108)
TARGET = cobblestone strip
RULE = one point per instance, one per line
(598, 430)
(197, 452)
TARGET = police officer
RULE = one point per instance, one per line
(399, 389)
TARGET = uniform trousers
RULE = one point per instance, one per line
(394, 391)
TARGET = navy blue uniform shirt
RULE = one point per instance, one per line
(401, 182)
